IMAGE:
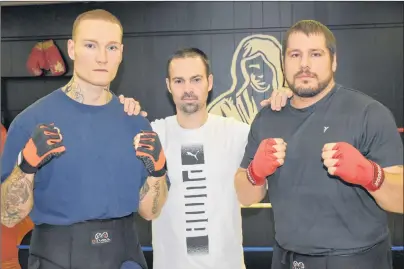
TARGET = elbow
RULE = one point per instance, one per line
(244, 203)
(149, 216)
(395, 208)
(149, 213)
(8, 223)
(247, 201)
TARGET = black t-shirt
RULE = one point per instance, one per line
(314, 212)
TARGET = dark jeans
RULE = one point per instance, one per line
(98, 244)
(377, 257)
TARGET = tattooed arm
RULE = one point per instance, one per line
(16, 197)
(152, 197)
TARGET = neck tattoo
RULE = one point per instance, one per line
(74, 91)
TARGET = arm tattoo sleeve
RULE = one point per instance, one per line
(16, 197)
(144, 190)
(156, 188)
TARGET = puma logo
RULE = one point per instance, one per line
(325, 128)
(193, 155)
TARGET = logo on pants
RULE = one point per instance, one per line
(100, 238)
(298, 265)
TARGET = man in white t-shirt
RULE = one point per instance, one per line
(200, 226)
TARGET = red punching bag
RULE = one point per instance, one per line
(11, 237)
(3, 136)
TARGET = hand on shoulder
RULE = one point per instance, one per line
(278, 98)
(131, 106)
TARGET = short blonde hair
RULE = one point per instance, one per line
(96, 14)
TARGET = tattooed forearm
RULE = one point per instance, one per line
(16, 197)
(144, 190)
(156, 198)
(152, 197)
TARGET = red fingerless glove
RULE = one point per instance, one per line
(264, 163)
(354, 168)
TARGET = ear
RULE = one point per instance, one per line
(168, 84)
(70, 49)
(121, 53)
(210, 81)
(334, 63)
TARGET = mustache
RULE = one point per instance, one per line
(189, 96)
(305, 73)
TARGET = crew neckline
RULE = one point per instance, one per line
(315, 105)
(200, 128)
(86, 106)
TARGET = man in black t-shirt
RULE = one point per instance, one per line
(332, 159)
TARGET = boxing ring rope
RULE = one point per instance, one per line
(251, 249)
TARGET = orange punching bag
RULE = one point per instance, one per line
(11, 237)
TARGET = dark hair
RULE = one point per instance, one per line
(189, 53)
(311, 27)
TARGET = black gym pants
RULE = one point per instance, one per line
(97, 244)
(377, 257)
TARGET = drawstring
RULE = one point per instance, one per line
(291, 258)
(292, 254)
(284, 254)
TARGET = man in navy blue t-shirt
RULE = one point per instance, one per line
(331, 160)
(72, 162)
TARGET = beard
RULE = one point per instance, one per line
(190, 108)
(309, 91)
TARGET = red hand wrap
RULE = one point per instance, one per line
(264, 163)
(253, 178)
(354, 168)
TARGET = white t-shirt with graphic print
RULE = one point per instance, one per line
(200, 225)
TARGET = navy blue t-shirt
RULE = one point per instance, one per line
(315, 213)
(98, 176)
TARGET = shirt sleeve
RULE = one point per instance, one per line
(17, 137)
(381, 141)
(253, 142)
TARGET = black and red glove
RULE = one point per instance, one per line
(36, 61)
(151, 153)
(44, 144)
(266, 160)
(53, 58)
(346, 162)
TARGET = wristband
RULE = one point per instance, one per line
(253, 178)
(159, 173)
(378, 178)
(24, 165)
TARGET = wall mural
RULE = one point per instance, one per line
(256, 68)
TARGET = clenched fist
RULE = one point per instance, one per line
(45, 143)
(150, 152)
(269, 156)
(346, 162)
